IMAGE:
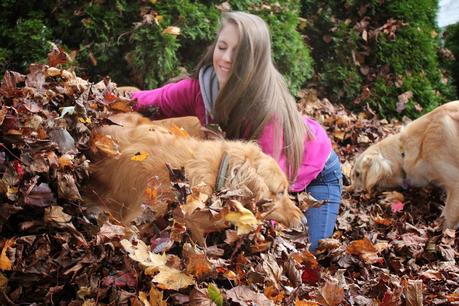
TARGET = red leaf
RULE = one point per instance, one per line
(310, 276)
(18, 167)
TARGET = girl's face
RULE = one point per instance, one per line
(224, 52)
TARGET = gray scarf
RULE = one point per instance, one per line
(208, 83)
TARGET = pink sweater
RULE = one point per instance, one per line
(184, 99)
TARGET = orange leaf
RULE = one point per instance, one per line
(305, 303)
(197, 262)
(177, 131)
(277, 296)
(5, 262)
(332, 293)
(122, 105)
(106, 144)
(383, 221)
(365, 249)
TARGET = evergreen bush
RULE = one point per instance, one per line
(129, 40)
(451, 40)
(380, 53)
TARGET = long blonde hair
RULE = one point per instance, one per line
(256, 92)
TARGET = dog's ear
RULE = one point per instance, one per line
(378, 168)
(243, 176)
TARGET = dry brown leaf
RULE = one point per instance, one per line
(172, 279)
(197, 262)
(365, 249)
(154, 298)
(332, 293)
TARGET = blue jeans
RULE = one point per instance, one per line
(326, 186)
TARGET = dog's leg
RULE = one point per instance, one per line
(451, 211)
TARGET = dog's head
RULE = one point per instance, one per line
(379, 166)
(261, 174)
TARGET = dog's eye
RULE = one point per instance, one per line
(403, 154)
(357, 174)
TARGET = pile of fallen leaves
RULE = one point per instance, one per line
(388, 249)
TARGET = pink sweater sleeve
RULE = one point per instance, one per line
(173, 100)
(316, 152)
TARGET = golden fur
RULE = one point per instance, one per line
(379, 166)
(121, 182)
(425, 151)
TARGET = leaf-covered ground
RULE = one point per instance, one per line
(388, 249)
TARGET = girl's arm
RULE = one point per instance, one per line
(172, 100)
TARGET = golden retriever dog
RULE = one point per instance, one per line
(379, 166)
(425, 151)
(120, 182)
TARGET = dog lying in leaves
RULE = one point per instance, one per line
(135, 157)
(425, 151)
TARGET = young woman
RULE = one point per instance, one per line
(237, 86)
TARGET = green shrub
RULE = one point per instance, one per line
(125, 40)
(371, 52)
(451, 36)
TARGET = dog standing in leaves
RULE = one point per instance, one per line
(144, 148)
(425, 151)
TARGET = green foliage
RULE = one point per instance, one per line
(451, 37)
(371, 52)
(125, 39)
(27, 33)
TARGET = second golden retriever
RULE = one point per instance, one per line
(425, 151)
(121, 182)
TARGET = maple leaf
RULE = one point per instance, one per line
(140, 252)
(154, 298)
(172, 279)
